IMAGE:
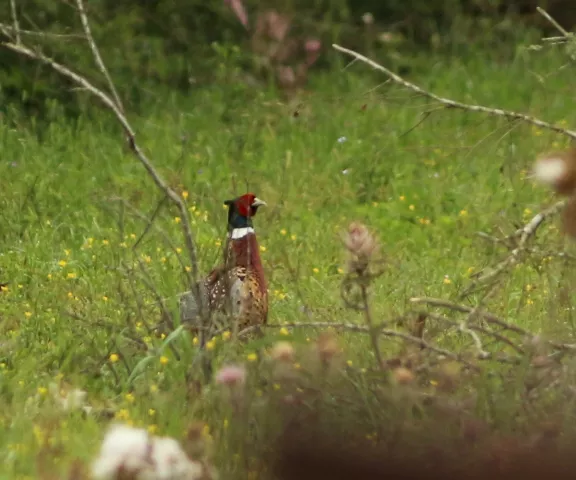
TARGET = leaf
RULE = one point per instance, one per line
(140, 367)
(173, 336)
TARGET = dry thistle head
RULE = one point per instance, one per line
(403, 376)
(361, 245)
(283, 352)
(327, 346)
(557, 170)
(448, 376)
(194, 443)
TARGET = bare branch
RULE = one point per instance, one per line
(156, 177)
(96, 53)
(497, 112)
(548, 17)
(351, 327)
(438, 302)
(539, 218)
(525, 233)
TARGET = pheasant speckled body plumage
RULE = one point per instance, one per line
(237, 289)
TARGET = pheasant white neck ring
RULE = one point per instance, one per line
(240, 232)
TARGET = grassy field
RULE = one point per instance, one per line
(79, 304)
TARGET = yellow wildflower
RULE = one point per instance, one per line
(251, 357)
(152, 429)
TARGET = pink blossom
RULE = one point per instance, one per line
(231, 375)
(312, 48)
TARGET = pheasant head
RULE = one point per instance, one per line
(241, 210)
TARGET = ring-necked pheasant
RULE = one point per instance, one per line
(237, 288)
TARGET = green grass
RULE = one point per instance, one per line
(78, 292)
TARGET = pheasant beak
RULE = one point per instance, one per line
(258, 203)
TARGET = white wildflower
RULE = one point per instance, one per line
(124, 448)
(171, 462)
(131, 452)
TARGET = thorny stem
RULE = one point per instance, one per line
(373, 331)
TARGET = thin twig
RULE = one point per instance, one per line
(9, 28)
(438, 302)
(374, 330)
(495, 335)
(498, 112)
(464, 325)
(15, 21)
(490, 318)
(96, 53)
